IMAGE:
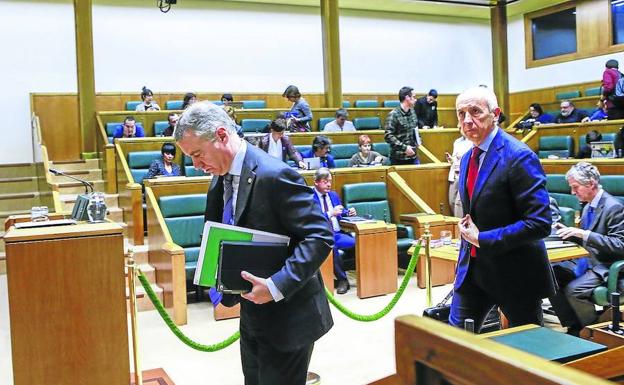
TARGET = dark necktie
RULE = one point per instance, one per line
(228, 199)
(582, 263)
(473, 170)
(325, 205)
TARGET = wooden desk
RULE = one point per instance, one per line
(67, 304)
(376, 261)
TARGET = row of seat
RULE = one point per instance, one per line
(257, 104)
(184, 218)
(592, 91)
(563, 146)
(259, 125)
(139, 161)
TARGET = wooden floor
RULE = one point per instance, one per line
(154, 377)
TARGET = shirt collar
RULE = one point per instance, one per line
(485, 145)
(594, 202)
(237, 164)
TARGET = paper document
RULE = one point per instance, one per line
(214, 233)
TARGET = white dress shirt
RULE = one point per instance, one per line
(275, 148)
(330, 209)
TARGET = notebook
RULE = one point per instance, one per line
(262, 259)
(312, 163)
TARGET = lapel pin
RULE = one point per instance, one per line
(249, 180)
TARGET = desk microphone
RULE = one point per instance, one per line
(84, 182)
(616, 314)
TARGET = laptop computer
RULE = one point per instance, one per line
(602, 150)
(312, 163)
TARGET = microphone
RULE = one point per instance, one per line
(84, 182)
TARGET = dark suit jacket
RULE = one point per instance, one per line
(510, 207)
(606, 240)
(272, 197)
(288, 150)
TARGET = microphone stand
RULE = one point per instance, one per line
(84, 182)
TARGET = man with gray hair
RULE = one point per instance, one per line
(502, 260)
(285, 313)
(602, 234)
(340, 124)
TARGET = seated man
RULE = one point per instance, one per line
(602, 234)
(341, 123)
(321, 146)
(332, 207)
(276, 144)
(427, 110)
(569, 114)
(585, 151)
(129, 129)
(173, 119)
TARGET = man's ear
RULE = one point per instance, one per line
(221, 134)
(496, 112)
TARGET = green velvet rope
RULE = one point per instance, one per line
(174, 328)
(374, 317)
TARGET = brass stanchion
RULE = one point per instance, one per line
(138, 375)
(427, 237)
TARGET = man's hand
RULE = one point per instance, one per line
(337, 210)
(426, 127)
(303, 166)
(378, 159)
(469, 230)
(568, 232)
(409, 151)
(585, 119)
(351, 212)
(449, 157)
(259, 293)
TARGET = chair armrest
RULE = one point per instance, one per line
(404, 231)
(614, 272)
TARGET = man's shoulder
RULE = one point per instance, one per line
(611, 202)
(266, 165)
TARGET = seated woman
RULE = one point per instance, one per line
(366, 157)
(300, 112)
(536, 116)
(148, 104)
(164, 166)
(321, 146)
(189, 98)
(600, 113)
(129, 129)
(276, 144)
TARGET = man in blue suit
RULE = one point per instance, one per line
(332, 207)
(283, 315)
(502, 259)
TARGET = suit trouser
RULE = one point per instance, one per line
(342, 241)
(455, 205)
(572, 303)
(471, 301)
(263, 364)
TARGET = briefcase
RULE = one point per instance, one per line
(262, 259)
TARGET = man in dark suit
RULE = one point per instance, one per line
(502, 259)
(602, 234)
(332, 207)
(282, 315)
(279, 146)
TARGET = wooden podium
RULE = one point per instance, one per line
(67, 305)
(376, 262)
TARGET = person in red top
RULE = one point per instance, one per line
(610, 77)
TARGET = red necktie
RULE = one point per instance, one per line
(473, 172)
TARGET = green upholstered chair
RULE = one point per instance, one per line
(110, 130)
(372, 199)
(216, 102)
(189, 170)
(346, 104)
(558, 188)
(614, 185)
(131, 105)
(568, 95)
(301, 148)
(184, 217)
(160, 126)
(594, 91)
(605, 138)
(366, 104)
(342, 152)
(561, 146)
(391, 103)
(255, 125)
(553, 113)
(372, 123)
(254, 104)
(173, 104)
(601, 294)
(382, 147)
(139, 162)
(323, 122)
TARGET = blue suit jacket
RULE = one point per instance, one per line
(139, 132)
(273, 197)
(335, 201)
(510, 207)
(328, 162)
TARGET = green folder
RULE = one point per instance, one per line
(214, 233)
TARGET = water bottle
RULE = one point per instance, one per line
(96, 210)
(44, 213)
(35, 214)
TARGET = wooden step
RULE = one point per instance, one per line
(17, 170)
(78, 188)
(143, 301)
(21, 184)
(88, 175)
(2, 260)
(18, 201)
(81, 164)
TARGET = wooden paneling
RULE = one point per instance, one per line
(605, 166)
(58, 115)
(575, 130)
(546, 97)
(429, 181)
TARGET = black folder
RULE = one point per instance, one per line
(261, 259)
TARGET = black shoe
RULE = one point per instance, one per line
(342, 287)
(574, 331)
